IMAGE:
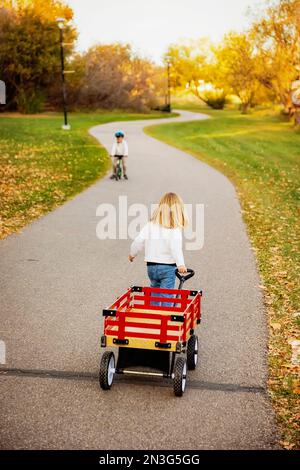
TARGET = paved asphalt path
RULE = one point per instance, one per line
(56, 276)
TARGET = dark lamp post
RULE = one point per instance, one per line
(169, 86)
(61, 26)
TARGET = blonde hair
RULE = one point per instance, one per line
(170, 212)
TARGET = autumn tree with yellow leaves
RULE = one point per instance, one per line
(107, 75)
(236, 69)
(193, 69)
(29, 49)
(257, 65)
(276, 37)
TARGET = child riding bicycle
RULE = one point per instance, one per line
(118, 153)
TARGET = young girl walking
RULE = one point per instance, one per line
(162, 240)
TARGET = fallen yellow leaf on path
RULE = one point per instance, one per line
(275, 326)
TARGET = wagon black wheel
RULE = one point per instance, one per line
(179, 381)
(107, 370)
(192, 352)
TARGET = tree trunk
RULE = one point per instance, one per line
(297, 118)
(244, 108)
(285, 98)
(196, 93)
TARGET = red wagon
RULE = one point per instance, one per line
(153, 331)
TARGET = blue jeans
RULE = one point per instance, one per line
(162, 276)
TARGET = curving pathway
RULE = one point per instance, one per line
(56, 276)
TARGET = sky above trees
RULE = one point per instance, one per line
(150, 26)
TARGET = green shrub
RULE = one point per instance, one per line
(30, 102)
(215, 99)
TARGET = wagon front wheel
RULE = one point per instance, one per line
(107, 370)
(192, 352)
(179, 381)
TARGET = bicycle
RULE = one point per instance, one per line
(119, 169)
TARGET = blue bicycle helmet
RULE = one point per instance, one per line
(119, 134)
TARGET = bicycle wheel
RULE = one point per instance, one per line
(119, 171)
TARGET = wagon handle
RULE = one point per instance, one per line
(184, 277)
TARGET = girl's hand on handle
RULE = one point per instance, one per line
(182, 269)
(131, 258)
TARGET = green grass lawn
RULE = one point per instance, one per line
(41, 166)
(260, 153)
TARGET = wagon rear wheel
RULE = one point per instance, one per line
(107, 370)
(192, 352)
(179, 382)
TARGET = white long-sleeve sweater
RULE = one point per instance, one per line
(162, 245)
(119, 148)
